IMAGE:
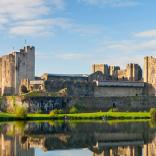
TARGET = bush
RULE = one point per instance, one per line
(20, 111)
(73, 110)
(113, 110)
(39, 111)
(56, 111)
(153, 113)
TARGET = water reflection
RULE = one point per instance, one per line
(12, 146)
(71, 138)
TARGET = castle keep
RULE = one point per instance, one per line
(15, 67)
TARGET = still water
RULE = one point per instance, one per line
(78, 138)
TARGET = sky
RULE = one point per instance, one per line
(71, 35)
(75, 152)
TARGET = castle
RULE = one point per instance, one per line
(15, 67)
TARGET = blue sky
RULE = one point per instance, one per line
(75, 152)
(70, 35)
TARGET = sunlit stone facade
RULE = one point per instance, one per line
(15, 67)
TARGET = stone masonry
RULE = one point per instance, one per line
(150, 74)
(133, 72)
(15, 67)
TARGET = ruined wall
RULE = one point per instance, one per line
(88, 104)
(110, 72)
(73, 88)
(104, 68)
(96, 76)
(117, 91)
(114, 72)
(65, 77)
(122, 75)
(133, 72)
(135, 103)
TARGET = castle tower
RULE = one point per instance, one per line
(104, 68)
(150, 69)
(15, 67)
(150, 74)
(146, 69)
(25, 66)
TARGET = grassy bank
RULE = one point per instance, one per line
(107, 115)
(78, 116)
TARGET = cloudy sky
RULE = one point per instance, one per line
(70, 35)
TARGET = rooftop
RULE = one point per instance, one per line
(65, 75)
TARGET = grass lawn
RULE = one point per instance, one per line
(7, 115)
(108, 115)
(96, 115)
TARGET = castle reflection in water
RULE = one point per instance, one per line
(103, 139)
(12, 146)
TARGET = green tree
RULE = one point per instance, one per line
(20, 111)
(73, 110)
(153, 114)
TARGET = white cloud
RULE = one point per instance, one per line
(21, 9)
(36, 17)
(112, 3)
(133, 45)
(26, 30)
(27, 17)
(149, 33)
(59, 4)
(73, 56)
(50, 26)
(37, 27)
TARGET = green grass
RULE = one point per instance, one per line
(7, 115)
(77, 116)
(108, 115)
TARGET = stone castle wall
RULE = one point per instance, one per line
(135, 103)
(73, 88)
(87, 104)
(15, 67)
(118, 91)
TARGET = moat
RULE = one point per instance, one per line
(85, 138)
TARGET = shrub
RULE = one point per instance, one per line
(35, 93)
(73, 110)
(153, 113)
(39, 111)
(56, 111)
(20, 111)
(113, 110)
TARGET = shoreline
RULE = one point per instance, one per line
(78, 116)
